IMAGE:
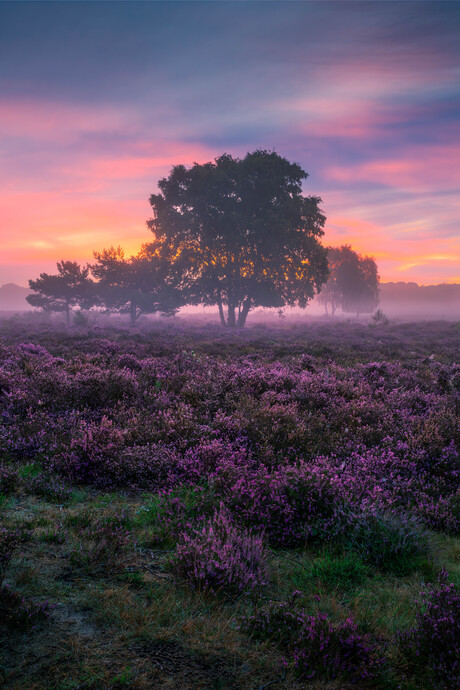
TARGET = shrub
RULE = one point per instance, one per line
(316, 647)
(379, 317)
(432, 647)
(391, 542)
(49, 487)
(293, 504)
(220, 556)
(18, 612)
(331, 650)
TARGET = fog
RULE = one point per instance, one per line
(398, 301)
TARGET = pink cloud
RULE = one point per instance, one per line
(419, 168)
(155, 160)
(43, 120)
(90, 198)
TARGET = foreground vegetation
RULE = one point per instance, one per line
(196, 508)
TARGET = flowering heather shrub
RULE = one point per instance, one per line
(8, 479)
(315, 647)
(293, 504)
(440, 513)
(220, 556)
(432, 647)
(392, 478)
(48, 486)
(86, 387)
(285, 438)
(100, 453)
(20, 613)
(215, 457)
(336, 650)
(92, 446)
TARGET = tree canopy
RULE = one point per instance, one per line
(137, 285)
(64, 290)
(239, 234)
(353, 282)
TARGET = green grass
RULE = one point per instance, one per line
(106, 614)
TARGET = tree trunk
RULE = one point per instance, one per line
(132, 314)
(67, 314)
(221, 312)
(243, 315)
(231, 321)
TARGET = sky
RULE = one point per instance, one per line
(99, 100)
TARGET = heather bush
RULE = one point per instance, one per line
(101, 453)
(20, 613)
(215, 457)
(49, 487)
(314, 646)
(146, 414)
(432, 647)
(339, 650)
(294, 505)
(221, 557)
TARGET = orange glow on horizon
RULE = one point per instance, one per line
(68, 206)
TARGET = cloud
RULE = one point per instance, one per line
(100, 100)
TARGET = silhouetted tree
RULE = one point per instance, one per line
(353, 285)
(240, 234)
(134, 286)
(71, 286)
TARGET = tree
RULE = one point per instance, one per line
(71, 286)
(239, 234)
(331, 292)
(353, 282)
(366, 292)
(138, 285)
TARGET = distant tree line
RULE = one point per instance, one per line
(236, 234)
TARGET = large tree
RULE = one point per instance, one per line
(135, 285)
(71, 286)
(240, 234)
(353, 285)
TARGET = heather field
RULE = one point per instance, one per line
(191, 507)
